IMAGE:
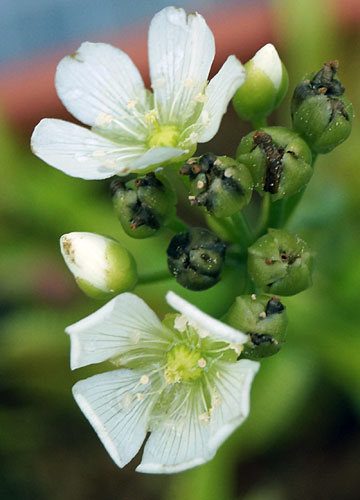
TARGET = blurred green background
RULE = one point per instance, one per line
(302, 438)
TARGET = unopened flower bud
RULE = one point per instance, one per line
(264, 319)
(279, 161)
(219, 184)
(320, 111)
(196, 258)
(280, 263)
(100, 265)
(143, 205)
(265, 85)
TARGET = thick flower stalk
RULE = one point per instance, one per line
(178, 379)
(132, 129)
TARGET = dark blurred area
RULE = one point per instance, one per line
(302, 438)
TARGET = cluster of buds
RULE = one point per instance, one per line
(185, 380)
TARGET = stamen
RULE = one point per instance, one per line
(144, 380)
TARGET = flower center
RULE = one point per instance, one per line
(164, 135)
(183, 364)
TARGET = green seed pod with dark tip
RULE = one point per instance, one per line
(279, 161)
(196, 258)
(320, 111)
(280, 263)
(220, 185)
(264, 319)
(143, 205)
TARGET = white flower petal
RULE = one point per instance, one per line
(157, 155)
(79, 152)
(85, 256)
(180, 441)
(100, 80)
(230, 398)
(268, 60)
(117, 407)
(219, 92)
(181, 50)
(123, 324)
(216, 328)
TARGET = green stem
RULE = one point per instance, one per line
(261, 123)
(177, 225)
(264, 215)
(277, 214)
(154, 276)
(223, 227)
(243, 230)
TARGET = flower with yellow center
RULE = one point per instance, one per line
(179, 380)
(132, 129)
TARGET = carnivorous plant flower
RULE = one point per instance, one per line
(132, 129)
(180, 380)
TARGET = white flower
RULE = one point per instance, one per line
(179, 380)
(131, 128)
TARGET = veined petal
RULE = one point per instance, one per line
(230, 394)
(216, 328)
(267, 59)
(123, 324)
(79, 152)
(180, 439)
(181, 50)
(100, 80)
(157, 156)
(219, 92)
(117, 406)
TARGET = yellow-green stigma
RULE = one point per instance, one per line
(164, 135)
(183, 364)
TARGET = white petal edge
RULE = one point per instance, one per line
(122, 324)
(215, 327)
(181, 51)
(100, 79)
(157, 156)
(220, 90)
(111, 403)
(79, 152)
(233, 386)
(269, 61)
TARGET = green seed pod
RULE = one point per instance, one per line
(278, 159)
(265, 85)
(220, 185)
(264, 319)
(320, 111)
(280, 263)
(196, 258)
(143, 205)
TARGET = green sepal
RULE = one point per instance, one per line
(196, 258)
(279, 160)
(280, 263)
(220, 185)
(264, 319)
